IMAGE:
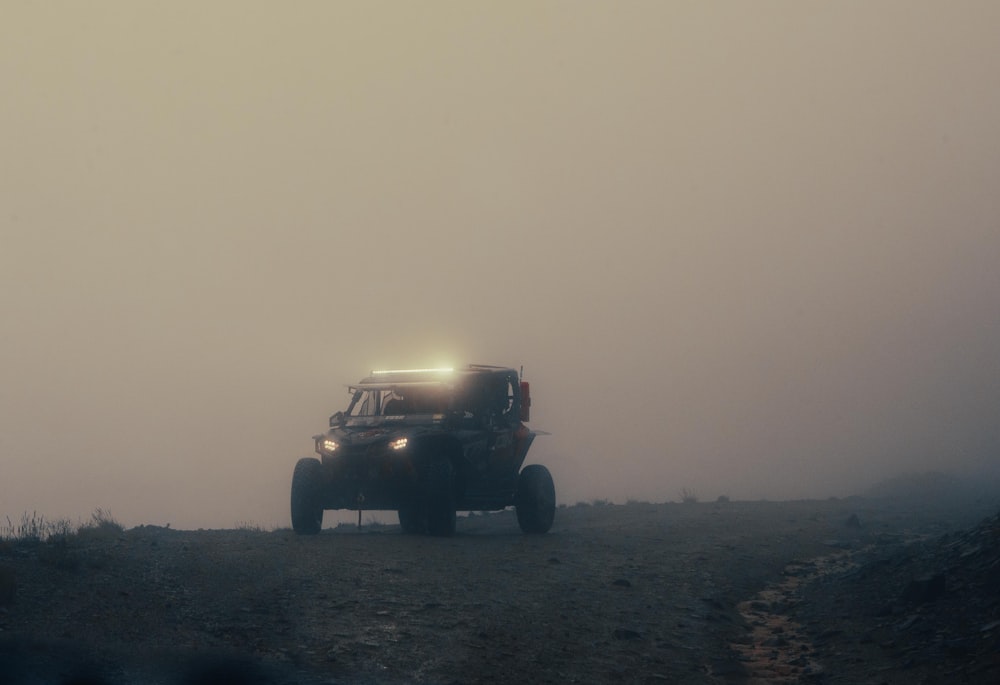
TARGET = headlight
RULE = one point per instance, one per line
(398, 443)
(330, 445)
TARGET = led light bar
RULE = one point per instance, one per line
(385, 371)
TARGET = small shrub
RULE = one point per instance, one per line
(31, 528)
(101, 528)
(35, 528)
(61, 528)
(688, 496)
(103, 520)
(58, 540)
(249, 527)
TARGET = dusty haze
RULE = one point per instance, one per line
(743, 249)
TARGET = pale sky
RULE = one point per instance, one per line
(739, 248)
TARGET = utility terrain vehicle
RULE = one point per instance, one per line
(427, 443)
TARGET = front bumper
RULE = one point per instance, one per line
(374, 477)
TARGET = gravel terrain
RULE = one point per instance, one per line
(721, 592)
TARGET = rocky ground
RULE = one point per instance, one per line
(875, 590)
(925, 610)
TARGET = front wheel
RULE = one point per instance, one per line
(412, 518)
(441, 499)
(535, 501)
(307, 509)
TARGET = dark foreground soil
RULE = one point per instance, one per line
(808, 591)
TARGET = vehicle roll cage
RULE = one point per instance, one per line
(502, 395)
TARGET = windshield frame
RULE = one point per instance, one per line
(372, 398)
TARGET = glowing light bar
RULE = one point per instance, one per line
(385, 371)
(329, 445)
(398, 444)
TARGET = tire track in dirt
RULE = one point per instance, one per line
(778, 650)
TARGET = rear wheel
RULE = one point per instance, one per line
(441, 517)
(535, 501)
(307, 509)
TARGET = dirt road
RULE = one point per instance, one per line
(631, 593)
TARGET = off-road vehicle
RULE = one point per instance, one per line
(427, 443)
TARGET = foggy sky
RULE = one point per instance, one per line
(745, 249)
